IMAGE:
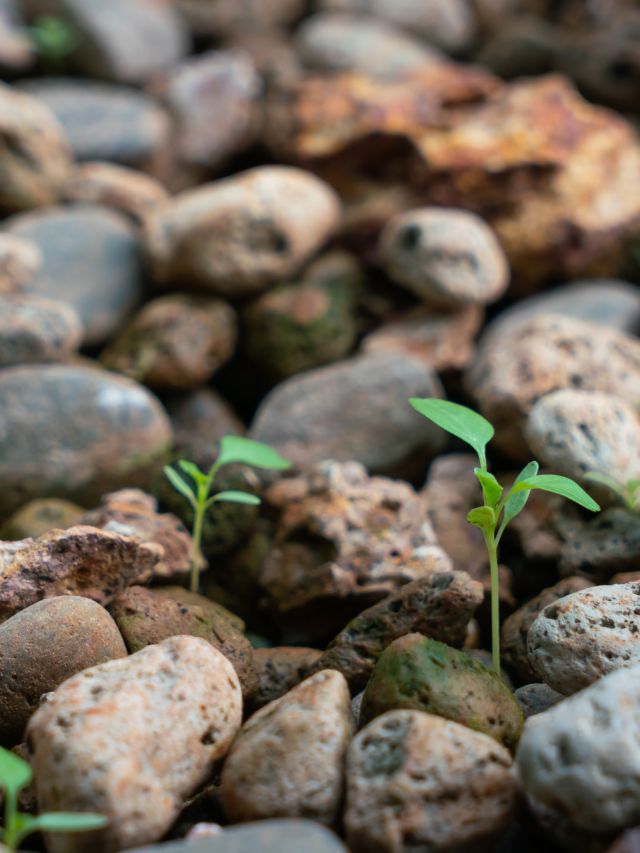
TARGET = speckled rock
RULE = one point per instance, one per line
(132, 739)
(75, 433)
(132, 512)
(549, 353)
(299, 326)
(42, 646)
(418, 782)
(148, 616)
(81, 560)
(516, 627)
(241, 234)
(90, 260)
(607, 544)
(200, 419)
(36, 160)
(421, 674)
(40, 516)
(582, 757)
(103, 121)
(279, 669)
(19, 261)
(125, 190)
(338, 41)
(585, 635)
(578, 432)
(438, 605)
(174, 343)
(445, 257)
(536, 698)
(342, 541)
(37, 330)
(313, 417)
(225, 17)
(287, 760)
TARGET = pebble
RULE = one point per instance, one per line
(242, 234)
(446, 257)
(586, 635)
(42, 646)
(200, 419)
(74, 433)
(90, 260)
(607, 544)
(148, 616)
(629, 842)
(19, 261)
(582, 757)
(174, 342)
(418, 673)
(124, 190)
(439, 605)
(226, 17)
(536, 699)
(79, 561)
(418, 782)
(37, 330)
(311, 417)
(515, 627)
(288, 759)
(576, 433)
(39, 516)
(279, 669)
(36, 160)
(131, 739)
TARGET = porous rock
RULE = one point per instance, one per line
(536, 698)
(279, 669)
(131, 739)
(605, 545)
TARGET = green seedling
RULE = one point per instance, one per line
(54, 39)
(15, 774)
(500, 505)
(628, 493)
(195, 485)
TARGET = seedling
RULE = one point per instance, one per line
(55, 39)
(15, 774)
(500, 506)
(195, 485)
(628, 493)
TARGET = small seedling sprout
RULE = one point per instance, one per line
(15, 774)
(628, 493)
(195, 486)
(500, 506)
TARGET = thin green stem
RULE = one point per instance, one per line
(196, 546)
(10, 809)
(490, 541)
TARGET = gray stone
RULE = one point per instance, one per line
(226, 17)
(608, 544)
(536, 698)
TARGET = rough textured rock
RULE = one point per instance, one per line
(579, 432)
(585, 635)
(549, 353)
(40, 516)
(90, 259)
(353, 410)
(42, 646)
(421, 674)
(287, 760)
(515, 628)
(131, 512)
(279, 669)
(418, 782)
(175, 342)
(35, 156)
(225, 17)
(36, 330)
(19, 261)
(132, 739)
(609, 543)
(446, 257)
(148, 616)
(342, 541)
(81, 560)
(582, 758)
(125, 190)
(536, 698)
(241, 234)
(438, 605)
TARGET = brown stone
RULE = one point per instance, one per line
(40, 516)
(125, 190)
(36, 330)
(225, 17)
(19, 261)
(279, 669)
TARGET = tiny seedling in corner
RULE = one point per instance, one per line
(55, 39)
(628, 493)
(195, 485)
(15, 774)
(500, 506)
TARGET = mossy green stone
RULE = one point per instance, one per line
(421, 674)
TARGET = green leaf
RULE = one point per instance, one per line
(179, 484)
(483, 517)
(193, 471)
(66, 822)
(516, 502)
(458, 420)
(563, 486)
(234, 448)
(235, 497)
(491, 488)
(15, 774)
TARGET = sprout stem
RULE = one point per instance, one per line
(490, 541)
